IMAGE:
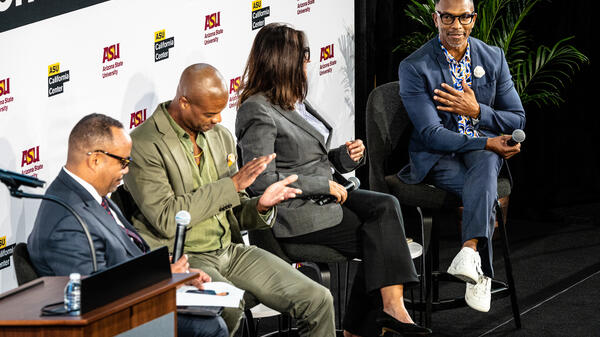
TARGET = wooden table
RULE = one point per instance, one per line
(20, 310)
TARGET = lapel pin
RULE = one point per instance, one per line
(231, 159)
(479, 72)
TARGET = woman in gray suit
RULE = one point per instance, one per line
(275, 118)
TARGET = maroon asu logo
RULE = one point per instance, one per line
(326, 60)
(212, 20)
(326, 52)
(234, 84)
(30, 156)
(137, 118)
(5, 86)
(112, 52)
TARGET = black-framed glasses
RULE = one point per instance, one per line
(448, 19)
(124, 161)
(306, 54)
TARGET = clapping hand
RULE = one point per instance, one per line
(248, 173)
(277, 192)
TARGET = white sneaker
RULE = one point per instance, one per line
(466, 265)
(479, 296)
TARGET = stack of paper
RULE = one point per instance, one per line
(225, 295)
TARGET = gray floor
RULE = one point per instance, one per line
(556, 266)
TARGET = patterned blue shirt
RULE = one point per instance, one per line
(459, 70)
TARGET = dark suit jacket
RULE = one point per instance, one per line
(436, 132)
(57, 244)
(263, 128)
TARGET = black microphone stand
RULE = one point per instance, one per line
(15, 192)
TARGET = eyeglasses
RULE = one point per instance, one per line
(306, 54)
(448, 19)
(124, 161)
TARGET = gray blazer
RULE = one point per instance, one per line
(57, 245)
(262, 128)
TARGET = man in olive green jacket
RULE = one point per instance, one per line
(183, 160)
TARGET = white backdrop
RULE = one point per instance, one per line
(109, 53)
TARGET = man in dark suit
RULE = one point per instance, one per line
(98, 157)
(460, 98)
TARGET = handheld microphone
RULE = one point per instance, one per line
(351, 184)
(182, 219)
(518, 136)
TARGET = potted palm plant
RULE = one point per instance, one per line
(539, 73)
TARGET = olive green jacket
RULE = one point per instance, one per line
(160, 182)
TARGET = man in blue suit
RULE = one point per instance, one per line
(98, 157)
(460, 97)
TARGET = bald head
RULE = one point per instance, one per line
(201, 81)
(201, 96)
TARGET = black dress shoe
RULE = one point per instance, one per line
(388, 323)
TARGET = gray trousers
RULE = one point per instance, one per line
(274, 283)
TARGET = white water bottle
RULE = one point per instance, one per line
(73, 295)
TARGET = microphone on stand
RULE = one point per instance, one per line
(182, 219)
(518, 136)
(15, 180)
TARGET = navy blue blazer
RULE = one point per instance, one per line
(57, 244)
(436, 132)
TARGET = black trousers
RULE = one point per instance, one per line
(372, 229)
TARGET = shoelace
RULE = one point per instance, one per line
(480, 288)
(478, 264)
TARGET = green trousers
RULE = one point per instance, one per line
(274, 283)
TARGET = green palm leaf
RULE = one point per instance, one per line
(541, 77)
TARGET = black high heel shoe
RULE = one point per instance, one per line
(387, 323)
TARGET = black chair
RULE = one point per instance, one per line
(388, 132)
(316, 257)
(23, 266)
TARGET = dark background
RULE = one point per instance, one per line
(558, 163)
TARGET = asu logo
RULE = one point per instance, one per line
(5, 86)
(137, 118)
(162, 45)
(30, 156)
(234, 84)
(160, 35)
(53, 69)
(259, 14)
(112, 52)
(57, 79)
(212, 21)
(3, 241)
(326, 52)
